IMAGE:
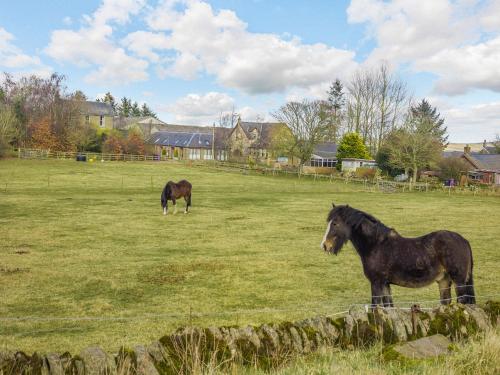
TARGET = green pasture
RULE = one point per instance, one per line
(87, 258)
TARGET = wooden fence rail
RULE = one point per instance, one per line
(377, 184)
(26, 153)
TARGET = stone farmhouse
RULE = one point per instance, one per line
(100, 115)
(245, 139)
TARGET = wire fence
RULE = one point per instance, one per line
(376, 184)
(329, 310)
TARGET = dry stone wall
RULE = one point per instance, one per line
(191, 348)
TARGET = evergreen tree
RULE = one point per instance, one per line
(147, 112)
(352, 146)
(336, 97)
(125, 107)
(108, 98)
(428, 120)
(135, 110)
(334, 110)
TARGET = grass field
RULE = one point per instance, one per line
(88, 240)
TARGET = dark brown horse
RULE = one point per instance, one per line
(173, 191)
(389, 258)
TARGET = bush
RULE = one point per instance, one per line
(452, 168)
(364, 172)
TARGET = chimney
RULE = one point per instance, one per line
(467, 149)
(484, 143)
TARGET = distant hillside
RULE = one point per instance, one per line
(475, 147)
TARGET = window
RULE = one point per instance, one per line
(194, 153)
(208, 155)
(222, 155)
(87, 119)
(329, 163)
(101, 121)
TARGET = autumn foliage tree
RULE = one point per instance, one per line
(42, 136)
(134, 144)
(114, 144)
(43, 108)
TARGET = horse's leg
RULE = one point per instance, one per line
(445, 290)
(187, 198)
(175, 205)
(377, 293)
(387, 296)
(464, 290)
(165, 208)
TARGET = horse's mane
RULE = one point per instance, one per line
(355, 218)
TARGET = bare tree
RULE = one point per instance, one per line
(375, 104)
(228, 119)
(307, 124)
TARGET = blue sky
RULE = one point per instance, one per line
(192, 60)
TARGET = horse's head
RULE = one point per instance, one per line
(337, 231)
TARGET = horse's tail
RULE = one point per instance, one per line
(164, 195)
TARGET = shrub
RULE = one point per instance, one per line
(364, 172)
(452, 168)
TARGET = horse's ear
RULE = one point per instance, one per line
(333, 205)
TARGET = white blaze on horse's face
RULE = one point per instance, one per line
(326, 242)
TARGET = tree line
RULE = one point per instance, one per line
(126, 108)
(42, 113)
(371, 116)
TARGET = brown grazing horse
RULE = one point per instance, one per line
(389, 258)
(173, 191)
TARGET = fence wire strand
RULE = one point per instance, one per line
(335, 311)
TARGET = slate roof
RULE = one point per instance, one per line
(485, 161)
(97, 109)
(264, 130)
(326, 150)
(189, 136)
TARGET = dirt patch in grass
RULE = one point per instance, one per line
(21, 251)
(233, 218)
(176, 273)
(4, 270)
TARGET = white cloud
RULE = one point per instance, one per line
(196, 39)
(457, 41)
(16, 61)
(92, 45)
(473, 123)
(200, 109)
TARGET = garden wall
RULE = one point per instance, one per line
(191, 349)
